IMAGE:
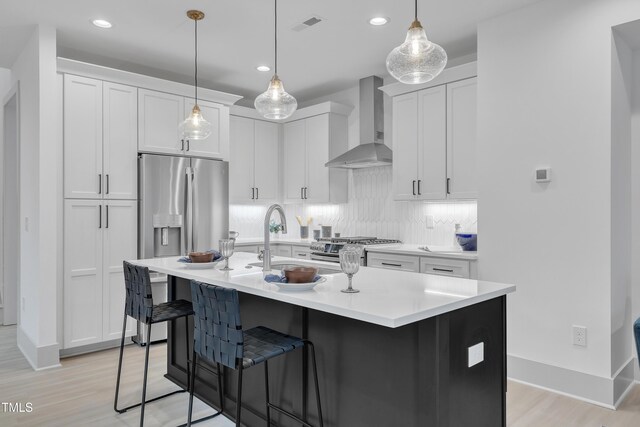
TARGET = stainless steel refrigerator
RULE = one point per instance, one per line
(183, 207)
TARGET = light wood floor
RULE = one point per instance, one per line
(80, 393)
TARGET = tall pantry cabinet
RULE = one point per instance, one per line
(100, 207)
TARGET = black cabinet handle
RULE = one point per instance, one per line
(448, 185)
(302, 192)
(444, 270)
(188, 144)
(107, 209)
(182, 147)
(305, 192)
(419, 193)
(257, 193)
(99, 183)
(413, 187)
(253, 193)
(99, 216)
(107, 176)
(391, 265)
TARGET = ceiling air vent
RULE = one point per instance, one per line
(308, 22)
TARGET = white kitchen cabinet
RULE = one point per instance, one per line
(393, 261)
(461, 139)
(82, 137)
(445, 267)
(98, 236)
(254, 161)
(282, 250)
(100, 139)
(300, 252)
(434, 134)
(308, 144)
(160, 115)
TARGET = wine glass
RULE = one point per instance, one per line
(226, 250)
(350, 264)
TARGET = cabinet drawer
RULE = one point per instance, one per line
(445, 267)
(300, 252)
(246, 248)
(282, 250)
(394, 262)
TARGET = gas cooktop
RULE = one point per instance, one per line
(359, 240)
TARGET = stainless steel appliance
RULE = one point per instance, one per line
(327, 249)
(183, 207)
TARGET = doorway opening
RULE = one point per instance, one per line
(10, 210)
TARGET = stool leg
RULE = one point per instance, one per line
(192, 381)
(186, 347)
(239, 398)
(220, 394)
(315, 377)
(266, 391)
(146, 369)
(115, 402)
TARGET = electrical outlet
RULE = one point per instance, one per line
(430, 222)
(580, 336)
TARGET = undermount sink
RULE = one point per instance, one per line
(280, 265)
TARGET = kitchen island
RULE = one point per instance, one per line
(408, 350)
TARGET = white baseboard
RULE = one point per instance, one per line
(40, 358)
(76, 351)
(602, 391)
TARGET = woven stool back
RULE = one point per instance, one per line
(139, 302)
(217, 334)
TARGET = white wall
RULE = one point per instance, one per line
(635, 187)
(5, 85)
(35, 70)
(544, 99)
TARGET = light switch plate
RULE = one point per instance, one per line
(476, 354)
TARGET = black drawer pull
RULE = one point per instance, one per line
(391, 265)
(302, 254)
(444, 270)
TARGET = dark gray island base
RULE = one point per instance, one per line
(370, 375)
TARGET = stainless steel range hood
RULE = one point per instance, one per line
(371, 151)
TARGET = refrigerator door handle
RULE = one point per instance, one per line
(189, 211)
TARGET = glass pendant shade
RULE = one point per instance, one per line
(275, 103)
(417, 60)
(195, 126)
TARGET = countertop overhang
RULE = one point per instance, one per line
(387, 297)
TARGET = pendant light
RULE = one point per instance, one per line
(275, 103)
(417, 60)
(195, 126)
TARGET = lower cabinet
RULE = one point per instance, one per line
(300, 252)
(429, 265)
(98, 236)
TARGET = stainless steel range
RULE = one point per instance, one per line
(327, 248)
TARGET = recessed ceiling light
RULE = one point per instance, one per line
(101, 23)
(378, 20)
(263, 68)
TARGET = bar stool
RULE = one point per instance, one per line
(139, 305)
(219, 338)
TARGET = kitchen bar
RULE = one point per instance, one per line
(404, 351)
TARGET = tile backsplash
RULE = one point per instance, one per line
(371, 211)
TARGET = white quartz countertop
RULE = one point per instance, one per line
(387, 297)
(435, 251)
(260, 241)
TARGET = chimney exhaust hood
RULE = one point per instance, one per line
(371, 151)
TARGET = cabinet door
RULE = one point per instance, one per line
(294, 147)
(83, 222)
(241, 160)
(432, 144)
(120, 243)
(405, 146)
(266, 161)
(317, 175)
(216, 145)
(82, 137)
(120, 141)
(461, 139)
(159, 115)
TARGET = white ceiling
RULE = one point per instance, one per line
(155, 37)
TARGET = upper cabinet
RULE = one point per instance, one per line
(308, 144)
(160, 115)
(253, 161)
(434, 138)
(100, 126)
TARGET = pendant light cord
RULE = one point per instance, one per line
(196, 59)
(416, 10)
(275, 35)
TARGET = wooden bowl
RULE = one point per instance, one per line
(300, 274)
(198, 257)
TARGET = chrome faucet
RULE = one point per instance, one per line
(266, 252)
